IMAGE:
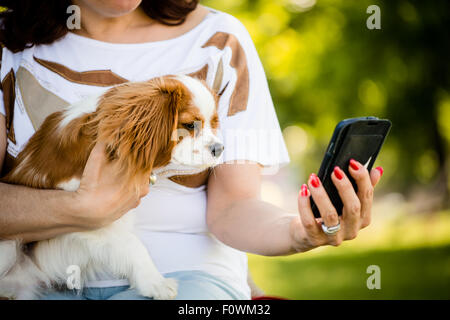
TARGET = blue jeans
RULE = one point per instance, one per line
(192, 285)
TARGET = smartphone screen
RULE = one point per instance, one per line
(358, 138)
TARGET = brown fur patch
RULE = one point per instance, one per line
(135, 120)
(215, 121)
(52, 155)
(190, 114)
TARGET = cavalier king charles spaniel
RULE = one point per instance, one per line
(170, 120)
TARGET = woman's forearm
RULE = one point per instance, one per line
(254, 226)
(33, 214)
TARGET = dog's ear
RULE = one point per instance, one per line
(174, 98)
(137, 120)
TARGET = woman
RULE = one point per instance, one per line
(46, 66)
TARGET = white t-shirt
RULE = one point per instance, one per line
(171, 219)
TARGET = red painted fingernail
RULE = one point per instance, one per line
(315, 182)
(354, 164)
(304, 190)
(338, 173)
(380, 169)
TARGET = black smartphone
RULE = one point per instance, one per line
(357, 138)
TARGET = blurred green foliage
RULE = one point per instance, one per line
(323, 65)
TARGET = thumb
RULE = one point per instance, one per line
(375, 175)
(95, 162)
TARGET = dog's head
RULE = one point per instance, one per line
(197, 143)
(170, 119)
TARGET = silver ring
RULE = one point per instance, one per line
(331, 230)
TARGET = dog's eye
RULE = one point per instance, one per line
(189, 126)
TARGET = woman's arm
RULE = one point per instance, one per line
(32, 214)
(238, 217)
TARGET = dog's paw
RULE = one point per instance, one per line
(163, 289)
(167, 290)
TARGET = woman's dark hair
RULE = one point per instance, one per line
(25, 23)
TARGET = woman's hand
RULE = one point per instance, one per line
(306, 231)
(103, 197)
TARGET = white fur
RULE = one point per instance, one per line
(71, 185)
(79, 108)
(113, 248)
(8, 248)
(202, 98)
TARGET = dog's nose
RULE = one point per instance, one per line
(216, 149)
